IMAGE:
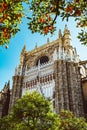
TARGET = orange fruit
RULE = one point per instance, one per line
(5, 15)
(51, 27)
(41, 20)
(20, 15)
(78, 12)
(69, 9)
(4, 4)
(1, 20)
(49, 18)
(46, 30)
(5, 30)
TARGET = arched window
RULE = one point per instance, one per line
(43, 60)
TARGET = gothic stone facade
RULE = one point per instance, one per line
(54, 70)
(4, 100)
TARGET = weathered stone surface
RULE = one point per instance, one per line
(4, 100)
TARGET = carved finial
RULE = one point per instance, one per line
(66, 30)
(36, 45)
(23, 50)
(60, 34)
(66, 26)
(5, 84)
(66, 37)
(47, 40)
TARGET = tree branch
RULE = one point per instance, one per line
(57, 10)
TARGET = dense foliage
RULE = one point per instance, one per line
(70, 122)
(11, 12)
(42, 15)
(33, 112)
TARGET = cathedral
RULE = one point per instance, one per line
(55, 71)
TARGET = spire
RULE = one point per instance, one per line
(66, 26)
(66, 30)
(5, 84)
(23, 50)
(67, 37)
(60, 34)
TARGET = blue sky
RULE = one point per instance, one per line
(9, 58)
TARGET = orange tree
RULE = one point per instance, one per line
(42, 16)
(11, 12)
(45, 13)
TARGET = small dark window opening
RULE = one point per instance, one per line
(43, 60)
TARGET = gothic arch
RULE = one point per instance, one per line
(43, 59)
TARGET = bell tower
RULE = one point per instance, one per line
(66, 37)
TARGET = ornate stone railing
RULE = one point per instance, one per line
(42, 70)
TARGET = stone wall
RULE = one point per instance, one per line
(84, 87)
(4, 100)
(68, 92)
(16, 89)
